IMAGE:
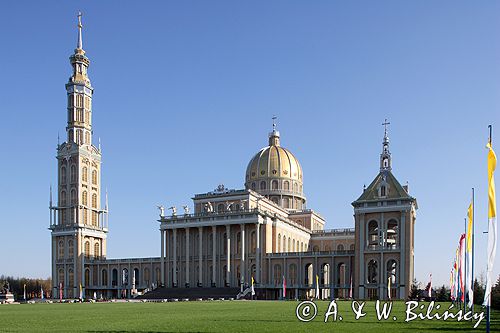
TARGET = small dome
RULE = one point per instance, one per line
(276, 173)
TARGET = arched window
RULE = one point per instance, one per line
(382, 191)
(274, 184)
(289, 244)
(73, 197)
(60, 248)
(392, 271)
(301, 246)
(104, 277)
(94, 200)
(70, 249)
(84, 174)
(85, 216)
(277, 274)
(284, 243)
(340, 247)
(62, 198)
(392, 239)
(253, 186)
(158, 275)
(295, 187)
(71, 278)
(373, 239)
(73, 173)
(316, 248)
(97, 250)
(87, 249)
(372, 276)
(262, 185)
(114, 277)
(63, 175)
(278, 249)
(292, 274)
(136, 277)
(286, 185)
(286, 203)
(94, 218)
(94, 177)
(84, 198)
(147, 277)
(87, 277)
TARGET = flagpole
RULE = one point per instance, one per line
(489, 301)
(465, 266)
(472, 268)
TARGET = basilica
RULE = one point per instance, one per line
(262, 235)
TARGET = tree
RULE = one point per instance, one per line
(495, 295)
(478, 292)
(415, 291)
(443, 294)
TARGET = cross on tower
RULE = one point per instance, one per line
(79, 19)
(385, 123)
(274, 122)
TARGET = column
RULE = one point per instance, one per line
(257, 254)
(187, 258)
(242, 261)
(228, 259)
(174, 259)
(200, 254)
(214, 247)
(162, 232)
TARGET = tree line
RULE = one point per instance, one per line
(34, 287)
(443, 294)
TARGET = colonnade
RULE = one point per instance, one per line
(173, 259)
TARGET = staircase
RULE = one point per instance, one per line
(190, 293)
(244, 293)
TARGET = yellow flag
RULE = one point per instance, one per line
(253, 281)
(492, 225)
(492, 164)
(469, 228)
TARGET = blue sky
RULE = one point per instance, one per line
(185, 92)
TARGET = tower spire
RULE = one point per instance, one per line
(385, 157)
(79, 44)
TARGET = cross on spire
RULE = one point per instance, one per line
(385, 123)
(274, 122)
(79, 45)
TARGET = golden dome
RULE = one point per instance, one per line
(276, 173)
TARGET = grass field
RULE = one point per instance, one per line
(216, 316)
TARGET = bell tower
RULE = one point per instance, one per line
(78, 223)
(384, 220)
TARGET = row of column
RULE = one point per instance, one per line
(214, 254)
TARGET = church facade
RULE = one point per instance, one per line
(263, 232)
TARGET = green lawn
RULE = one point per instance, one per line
(216, 316)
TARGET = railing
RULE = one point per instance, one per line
(309, 253)
(126, 260)
(345, 231)
(180, 217)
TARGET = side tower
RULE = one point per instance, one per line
(384, 217)
(77, 222)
